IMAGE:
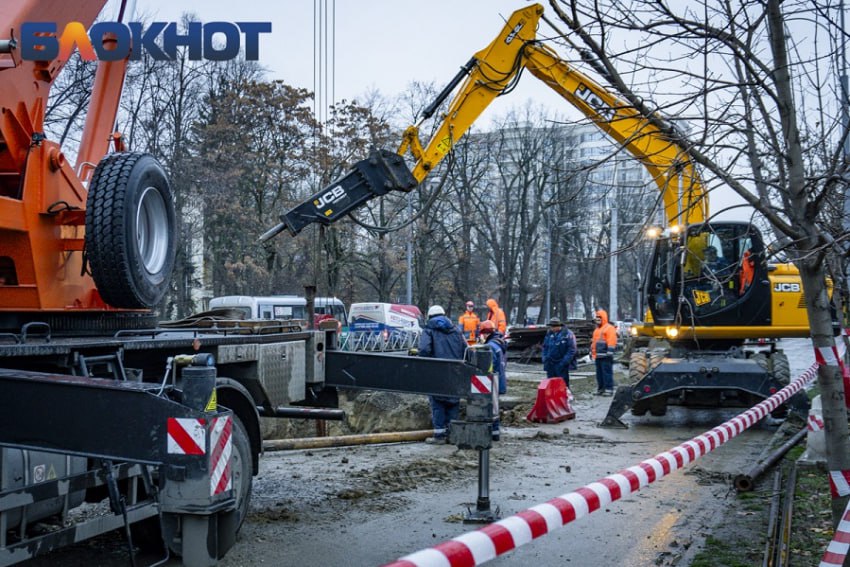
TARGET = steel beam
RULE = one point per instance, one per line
(408, 374)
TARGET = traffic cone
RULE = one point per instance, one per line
(553, 402)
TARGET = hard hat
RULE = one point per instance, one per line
(555, 322)
(486, 327)
(470, 304)
(435, 310)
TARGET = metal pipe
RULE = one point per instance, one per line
(303, 413)
(770, 540)
(745, 482)
(783, 549)
(483, 503)
(346, 440)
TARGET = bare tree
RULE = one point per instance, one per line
(509, 205)
(750, 105)
(254, 145)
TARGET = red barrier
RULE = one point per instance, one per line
(553, 402)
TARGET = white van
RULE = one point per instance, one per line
(383, 327)
(279, 307)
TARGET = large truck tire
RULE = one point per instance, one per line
(130, 230)
(241, 470)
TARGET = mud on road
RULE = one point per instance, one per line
(370, 505)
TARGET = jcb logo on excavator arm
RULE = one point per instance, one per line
(331, 196)
(595, 102)
(514, 32)
(787, 287)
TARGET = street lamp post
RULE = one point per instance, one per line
(613, 307)
(548, 303)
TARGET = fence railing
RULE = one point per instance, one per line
(380, 341)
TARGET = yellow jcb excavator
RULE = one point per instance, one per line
(709, 289)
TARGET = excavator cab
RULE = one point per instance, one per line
(707, 276)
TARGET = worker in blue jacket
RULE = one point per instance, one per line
(442, 339)
(496, 341)
(559, 351)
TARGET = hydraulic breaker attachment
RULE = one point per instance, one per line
(383, 171)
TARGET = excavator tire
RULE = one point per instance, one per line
(638, 366)
(761, 359)
(781, 368)
(656, 356)
(130, 230)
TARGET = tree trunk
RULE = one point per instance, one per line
(830, 380)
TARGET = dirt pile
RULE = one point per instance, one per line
(380, 412)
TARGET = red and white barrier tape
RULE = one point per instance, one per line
(839, 485)
(834, 356)
(839, 481)
(477, 547)
(837, 550)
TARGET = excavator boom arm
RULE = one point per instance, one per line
(491, 72)
(498, 66)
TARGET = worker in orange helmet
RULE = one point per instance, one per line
(602, 346)
(468, 322)
(497, 316)
(499, 349)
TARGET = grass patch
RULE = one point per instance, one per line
(811, 527)
(740, 541)
(719, 552)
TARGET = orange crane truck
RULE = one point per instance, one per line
(99, 402)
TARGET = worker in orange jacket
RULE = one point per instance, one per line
(497, 316)
(602, 346)
(468, 322)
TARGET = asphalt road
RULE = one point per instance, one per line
(369, 505)
(372, 505)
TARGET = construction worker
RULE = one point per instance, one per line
(602, 346)
(469, 322)
(748, 271)
(441, 339)
(497, 316)
(496, 341)
(559, 351)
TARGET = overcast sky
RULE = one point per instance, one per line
(380, 44)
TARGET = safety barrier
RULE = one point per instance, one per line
(380, 341)
(480, 546)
